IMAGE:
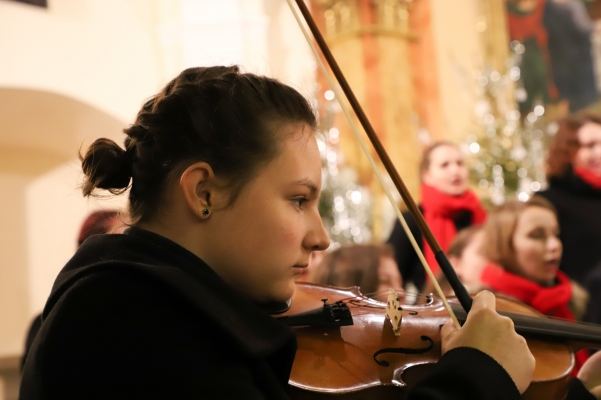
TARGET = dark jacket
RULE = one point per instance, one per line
(137, 316)
(410, 267)
(579, 213)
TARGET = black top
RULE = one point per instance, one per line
(579, 213)
(138, 316)
(405, 256)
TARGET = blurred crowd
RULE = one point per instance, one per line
(544, 252)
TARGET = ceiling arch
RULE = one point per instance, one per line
(40, 130)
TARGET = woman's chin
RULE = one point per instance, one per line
(283, 293)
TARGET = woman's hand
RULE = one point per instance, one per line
(590, 374)
(494, 335)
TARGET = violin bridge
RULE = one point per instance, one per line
(394, 312)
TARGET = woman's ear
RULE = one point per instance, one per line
(198, 187)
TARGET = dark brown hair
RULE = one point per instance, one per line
(424, 164)
(565, 145)
(500, 227)
(353, 265)
(218, 115)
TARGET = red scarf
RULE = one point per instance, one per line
(589, 177)
(439, 210)
(552, 301)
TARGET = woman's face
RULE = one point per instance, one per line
(536, 244)
(263, 241)
(447, 172)
(588, 155)
(471, 263)
(389, 276)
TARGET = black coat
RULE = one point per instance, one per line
(579, 213)
(406, 258)
(137, 316)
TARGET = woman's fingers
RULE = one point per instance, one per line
(590, 374)
(494, 335)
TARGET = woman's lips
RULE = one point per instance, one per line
(299, 268)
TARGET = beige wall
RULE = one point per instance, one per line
(100, 52)
(459, 54)
(14, 303)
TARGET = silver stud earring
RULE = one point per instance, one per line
(206, 212)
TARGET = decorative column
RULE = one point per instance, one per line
(370, 41)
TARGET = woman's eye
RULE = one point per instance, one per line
(538, 235)
(299, 201)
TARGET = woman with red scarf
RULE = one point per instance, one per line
(523, 246)
(447, 204)
(574, 175)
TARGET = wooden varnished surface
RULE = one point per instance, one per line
(340, 360)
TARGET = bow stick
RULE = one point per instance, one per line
(460, 291)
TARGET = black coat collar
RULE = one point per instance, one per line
(255, 331)
(572, 183)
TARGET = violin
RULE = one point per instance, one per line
(353, 351)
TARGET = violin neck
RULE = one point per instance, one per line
(577, 334)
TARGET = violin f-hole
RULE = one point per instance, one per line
(403, 350)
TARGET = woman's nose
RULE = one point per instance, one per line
(317, 237)
(554, 244)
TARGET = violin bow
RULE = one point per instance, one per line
(460, 291)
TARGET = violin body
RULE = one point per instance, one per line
(366, 360)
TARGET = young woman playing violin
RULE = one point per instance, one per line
(225, 176)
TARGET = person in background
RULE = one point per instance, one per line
(102, 222)
(574, 175)
(523, 246)
(448, 207)
(569, 28)
(465, 255)
(369, 266)
(98, 222)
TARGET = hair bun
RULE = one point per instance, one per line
(106, 166)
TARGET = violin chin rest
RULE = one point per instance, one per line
(276, 307)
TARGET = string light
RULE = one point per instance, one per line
(507, 150)
(345, 206)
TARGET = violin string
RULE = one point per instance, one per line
(370, 296)
(363, 146)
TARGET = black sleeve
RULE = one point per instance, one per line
(129, 338)
(577, 391)
(404, 254)
(31, 333)
(466, 373)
